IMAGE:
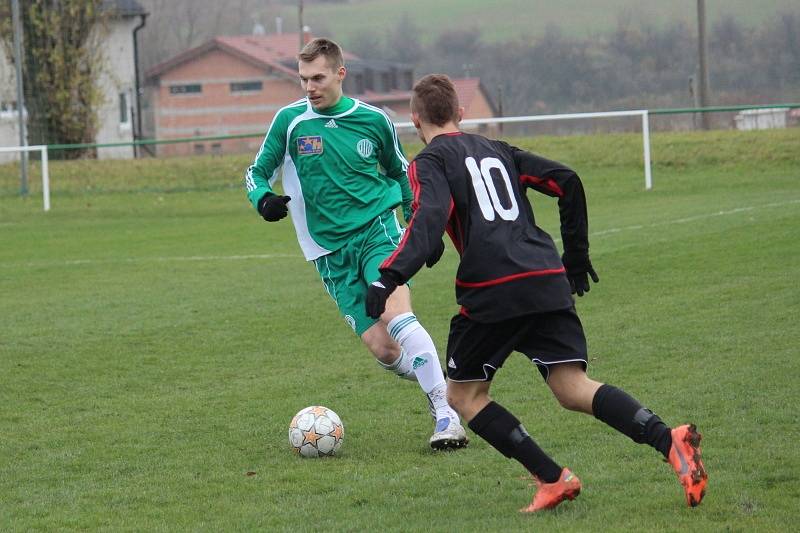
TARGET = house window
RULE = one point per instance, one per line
(359, 78)
(369, 80)
(8, 110)
(190, 88)
(408, 80)
(124, 110)
(246, 86)
(199, 149)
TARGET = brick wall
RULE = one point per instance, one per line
(218, 109)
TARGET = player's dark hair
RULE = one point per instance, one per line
(326, 48)
(435, 100)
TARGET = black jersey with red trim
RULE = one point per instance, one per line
(474, 188)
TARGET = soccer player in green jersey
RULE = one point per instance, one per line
(344, 173)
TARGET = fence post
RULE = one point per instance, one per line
(648, 176)
(45, 179)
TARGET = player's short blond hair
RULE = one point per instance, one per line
(326, 48)
(434, 99)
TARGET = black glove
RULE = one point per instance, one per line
(579, 268)
(377, 294)
(272, 207)
(436, 254)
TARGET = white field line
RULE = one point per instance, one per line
(169, 259)
(694, 218)
(157, 259)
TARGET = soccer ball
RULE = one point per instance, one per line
(316, 431)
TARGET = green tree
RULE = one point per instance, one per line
(62, 63)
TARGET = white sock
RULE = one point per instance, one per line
(402, 367)
(438, 400)
(418, 346)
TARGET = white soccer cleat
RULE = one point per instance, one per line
(448, 435)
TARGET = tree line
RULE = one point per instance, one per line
(637, 65)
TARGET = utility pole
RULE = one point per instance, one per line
(500, 108)
(702, 52)
(300, 26)
(23, 138)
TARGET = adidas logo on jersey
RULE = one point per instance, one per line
(451, 363)
(331, 124)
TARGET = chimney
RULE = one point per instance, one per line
(279, 25)
(306, 34)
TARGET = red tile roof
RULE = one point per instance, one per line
(275, 47)
(269, 51)
(466, 89)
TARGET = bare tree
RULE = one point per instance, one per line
(175, 26)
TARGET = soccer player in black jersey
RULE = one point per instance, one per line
(514, 290)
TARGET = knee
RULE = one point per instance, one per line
(574, 394)
(567, 399)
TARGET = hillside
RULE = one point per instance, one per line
(502, 20)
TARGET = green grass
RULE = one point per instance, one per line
(502, 20)
(157, 337)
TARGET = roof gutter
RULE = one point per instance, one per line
(137, 134)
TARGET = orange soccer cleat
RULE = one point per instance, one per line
(684, 456)
(549, 495)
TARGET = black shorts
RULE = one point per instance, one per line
(475, 350)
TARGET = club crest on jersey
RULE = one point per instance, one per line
(364, 148)
(310, 145)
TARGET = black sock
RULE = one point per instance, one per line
(619, 410)
(502, 430)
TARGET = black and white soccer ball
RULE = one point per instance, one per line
(316, 431)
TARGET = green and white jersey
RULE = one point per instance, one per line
(342, 166)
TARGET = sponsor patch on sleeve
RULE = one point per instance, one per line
(309, 145)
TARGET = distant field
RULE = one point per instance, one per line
(511, 19)
(156, 337)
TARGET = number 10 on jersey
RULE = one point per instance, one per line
(485, 190)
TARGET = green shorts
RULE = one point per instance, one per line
(347, 272)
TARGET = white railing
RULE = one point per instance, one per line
(45, 171)
(643, 113)
(648, 177)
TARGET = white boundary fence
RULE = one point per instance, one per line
(643, 113)
(45, 171)
(648, 177)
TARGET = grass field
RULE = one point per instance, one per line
(156, 337)
(503, 20)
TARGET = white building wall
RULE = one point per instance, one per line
(9, 133)
(761, 119)
(118, 79)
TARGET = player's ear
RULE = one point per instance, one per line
(341, 73)
(460, 113)
(415, 120)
